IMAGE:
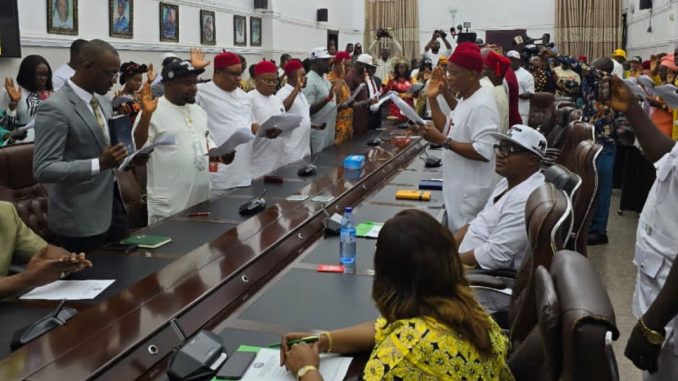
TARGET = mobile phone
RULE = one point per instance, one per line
(236, 366)
(119, 246)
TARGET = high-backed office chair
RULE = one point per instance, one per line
(133, 196)
(563, 179)
(18, 186)
(576, 326)
(576, 132)
(563, 115)
(583, 163)
(542, 112)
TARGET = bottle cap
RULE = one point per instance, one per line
(348, 209)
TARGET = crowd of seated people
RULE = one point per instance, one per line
(479, 106)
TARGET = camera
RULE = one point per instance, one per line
(594, 85)
(381, 33)
(441, 32)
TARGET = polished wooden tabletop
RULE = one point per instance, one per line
(201, 285)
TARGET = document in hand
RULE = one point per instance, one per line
(266, 367)
(120, 131)
(406, 109)
(162, 140)
(240, 136)
(283, 122)
(635, 88)
(354, 94)
(69, 290)
(669, 94)
(647, 83)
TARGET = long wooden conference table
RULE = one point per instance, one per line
(248, 279)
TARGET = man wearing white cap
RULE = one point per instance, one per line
(525, 85)
(497, 237)
(361, 107)
(320, 94)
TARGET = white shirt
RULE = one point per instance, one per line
(502, 100)
(617, 69)
(318, 88)
(178, 175)
(656, 239)
(468, 183)
(298, 143)
(498, 236)
(266, 153)
(228, 112)
(61, 75)
(525, 86)
(435, 57)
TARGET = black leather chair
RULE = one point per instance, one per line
(563, 179)
(542, 112)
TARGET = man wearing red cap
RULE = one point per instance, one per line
(266, 151)
(494, 69)
(298, 144)
(228, 110)
(468, 159)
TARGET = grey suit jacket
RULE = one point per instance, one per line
(67, 138)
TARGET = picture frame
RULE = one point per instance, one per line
(239, 30)
(255, 31)
(62, 17)
(169, 22)
(208, 30)
(121, 18)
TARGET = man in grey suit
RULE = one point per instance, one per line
(73, 154)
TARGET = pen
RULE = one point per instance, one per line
(199, 214)
(307, 339)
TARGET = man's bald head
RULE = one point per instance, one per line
(95, 50)
(603, 64)
(99, 68)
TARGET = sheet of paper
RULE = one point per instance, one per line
(368, 229)
(416, 88)
(354, 94)
(30, 125)
(240, 136)
(635, 88)
(69, 290)
(162, 140)
(322, 198)
(297, 197)
(406, 109)
(283, 122)
(646, 81)
(266, 366)
(668, 94)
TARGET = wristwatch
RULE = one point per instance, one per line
(653, 337)
(302, 372)
(446, 143)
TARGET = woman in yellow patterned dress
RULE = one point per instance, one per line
(431, 327)
(344, 127)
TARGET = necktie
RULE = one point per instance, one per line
(100, 118)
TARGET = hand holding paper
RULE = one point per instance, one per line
(406, 109)
(240, 136)
(162, 140)
(669, 94)
(283, 122)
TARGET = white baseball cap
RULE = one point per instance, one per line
(320, 53)
(526, 137)
(513, 54)
(365, 59)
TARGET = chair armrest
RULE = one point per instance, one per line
(489, 281)
(500, 273)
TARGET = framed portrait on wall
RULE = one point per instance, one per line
(207, 28)
(62, 16)
(121, 18)
(255, 31)
(169, 22)
(239, 30)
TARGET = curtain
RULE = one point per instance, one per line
(588, 27)
(400, 18)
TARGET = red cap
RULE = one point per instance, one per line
(497, 63)
(226, 59)
(582, 59)
(342, 55)
(292, 65)
(265, 67)
(646, 65)
(467, 55)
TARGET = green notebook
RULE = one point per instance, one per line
(148, 241)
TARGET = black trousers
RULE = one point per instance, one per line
(116, 232)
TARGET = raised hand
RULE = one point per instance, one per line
(621, 96)
(14, 93)
(198, 59)
(150, 74)
(148, 104)
(435, 85)
(300, 82)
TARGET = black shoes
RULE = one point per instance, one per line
(597, 239)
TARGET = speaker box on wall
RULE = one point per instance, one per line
(260, 4)
(10, 43)
(322, 15)
(645, 4)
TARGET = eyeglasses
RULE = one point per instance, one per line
(112, 74)
(232, 73)
(271, 82)
(508, 149)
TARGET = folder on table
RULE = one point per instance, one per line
(148, 241)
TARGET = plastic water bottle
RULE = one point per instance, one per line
(347, 248)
